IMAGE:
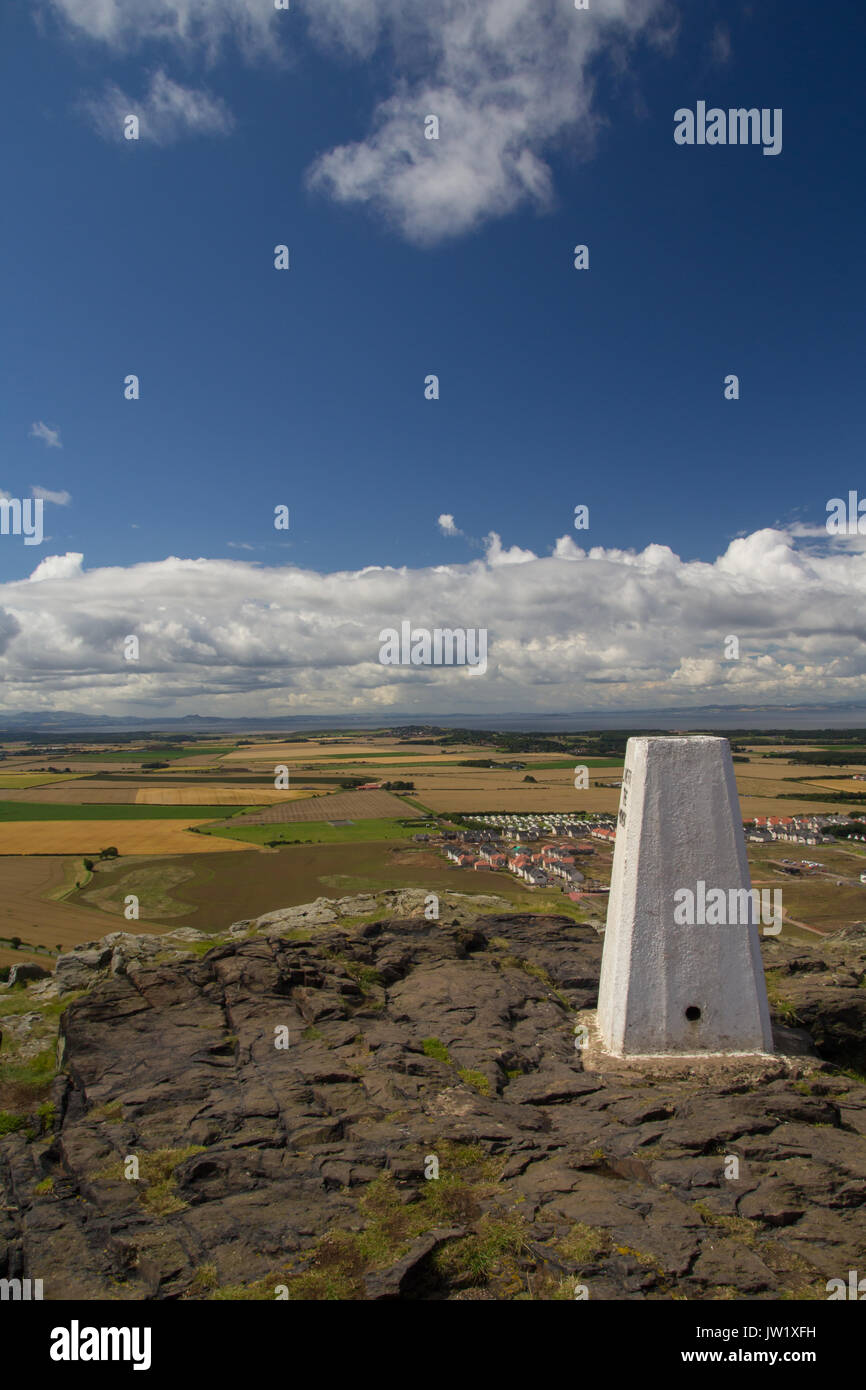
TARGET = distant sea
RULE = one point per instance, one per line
(62, 724)
(671, 720)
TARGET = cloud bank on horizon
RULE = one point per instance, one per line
(575, 629)
(506, 80)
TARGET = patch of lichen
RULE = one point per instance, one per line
(157, 1177)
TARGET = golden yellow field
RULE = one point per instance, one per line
(476, 789)
(216, 796)
(841, 784)
(778, 769)
(540, 798)
(338, 752)
(764, 787)
(752, 806)
(128, 837)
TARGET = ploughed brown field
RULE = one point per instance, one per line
(217, 796)
(80, 793)
(27, 910)
(373, 805)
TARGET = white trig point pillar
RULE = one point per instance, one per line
(681, 971)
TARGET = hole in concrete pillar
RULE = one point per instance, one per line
(693, 1013)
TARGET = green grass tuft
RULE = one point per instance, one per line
(432, 1047)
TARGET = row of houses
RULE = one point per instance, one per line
(798, 830)
(551, 861)
(536, 867)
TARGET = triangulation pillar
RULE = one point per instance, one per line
(670, 984)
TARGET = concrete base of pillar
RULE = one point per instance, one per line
(752, 1067)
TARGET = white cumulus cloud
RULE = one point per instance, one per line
(58, 567)
(510, 81)
(568, 631)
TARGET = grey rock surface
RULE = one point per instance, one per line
(285, 1097)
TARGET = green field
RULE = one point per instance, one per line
(313, 831)
(209, 891)
(154, 884)
(153, 755)
(53, 810)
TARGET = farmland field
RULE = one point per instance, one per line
(225, 889)
(90, 836)
(214, 797)
(357, 805)
(822, 905)
(152, 755)
(443, 784)
(28, 910)
(539, 798)
(319, 832)
(157, 883)
(23, 956)
(76, 793)
(840, 784)
(193, 861)
(130, 790)
(21, 811)
(345, 752)
(778, 770)
(21, 780)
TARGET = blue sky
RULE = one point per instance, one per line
(306, 387)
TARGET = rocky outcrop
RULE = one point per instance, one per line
(122, 951)
(821, 989)
(327, 1104)
(26, 971)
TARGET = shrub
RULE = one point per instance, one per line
(10, 1123)
(476, 1079)
(432, 1047)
